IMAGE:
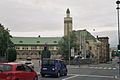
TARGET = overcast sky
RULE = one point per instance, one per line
(46, 17)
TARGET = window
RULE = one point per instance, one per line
(18, 53)
(90, 48)
(23, 53)
(27, 68)
(35, 53)
(38, 41)
(55, 41)
(5, 67)
(20, 68)
(33, 47)
(25, 47)
(20, 41)
(41, 48)
(51, 47)
(31, 54)
(17, 47)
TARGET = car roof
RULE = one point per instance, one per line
(11, 63)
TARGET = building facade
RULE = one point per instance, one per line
(104, 49)
(87, 44)
(32, 46)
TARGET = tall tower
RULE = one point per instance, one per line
(67, 23)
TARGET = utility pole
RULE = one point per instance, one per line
(69, 47)
(118, 2)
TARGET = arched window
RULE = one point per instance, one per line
(23, 53)
(35, 53)
(18, 53)
(26, 53)
(31, 54)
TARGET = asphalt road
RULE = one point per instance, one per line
(85, 72)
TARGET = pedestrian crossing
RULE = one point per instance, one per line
(104, 68)
(94, 67)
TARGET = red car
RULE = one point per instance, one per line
(17, 71)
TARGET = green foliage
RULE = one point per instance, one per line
(113, 53)
(11, 54)
(45, 53)
(5, 41)
(64, 45)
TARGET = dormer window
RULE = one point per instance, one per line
(38, 41)
(55, 41)
(20, 41)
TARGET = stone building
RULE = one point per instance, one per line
(30, 46)
(87, 44)
(104, 49)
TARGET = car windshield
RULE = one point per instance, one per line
(5, 67)
(48, 62)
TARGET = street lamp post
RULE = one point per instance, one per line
(69, 48)
(118, 2)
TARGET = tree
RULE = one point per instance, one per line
(12, 54)
(45, 53)
(114, 53)
(66, 44)
(5, 41)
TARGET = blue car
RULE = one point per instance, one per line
(53, 67)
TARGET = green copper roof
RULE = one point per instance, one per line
(35, 40)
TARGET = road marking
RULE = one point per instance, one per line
(99, 76)
(114, 68)
(100, 68)
(110, 68)
(116, 77)
(96, 67)
(70, 77)
(105, 68)
(91, 67)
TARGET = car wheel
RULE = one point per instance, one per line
(65, 74)
(36, 78)
(58, 74)
(43, 75)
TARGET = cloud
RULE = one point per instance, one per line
(47, 16)
(112, 34)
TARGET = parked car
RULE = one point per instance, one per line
(29, 63)
(17, 71)
(53, 67)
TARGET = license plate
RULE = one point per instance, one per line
(44, 68)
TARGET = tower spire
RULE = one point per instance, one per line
(68, 12)
(67, 23)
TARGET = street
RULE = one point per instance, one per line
(85, 72)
